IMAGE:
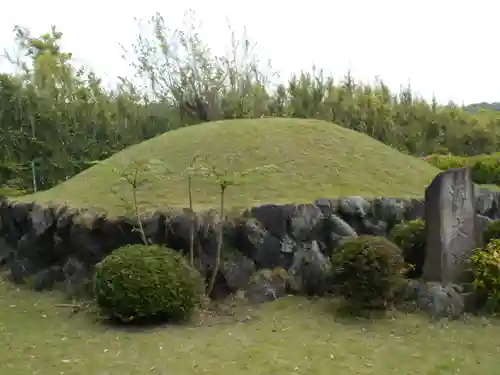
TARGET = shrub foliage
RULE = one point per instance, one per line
(486, 267)
(485, 169)
(369, 271)
(492, 232)
(410, 237)
(141, 283)
(447, 161)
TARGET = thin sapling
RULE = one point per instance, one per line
(225, 178)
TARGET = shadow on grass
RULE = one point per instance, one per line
(94, 316)
(350, 315)
(138, 326)
(216, 314)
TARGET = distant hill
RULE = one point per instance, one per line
(478, 106)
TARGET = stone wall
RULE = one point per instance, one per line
(46, 245)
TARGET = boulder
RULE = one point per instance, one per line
(441, 300)
(310, 271)
(267, 285)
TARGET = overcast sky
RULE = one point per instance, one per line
(442, 47)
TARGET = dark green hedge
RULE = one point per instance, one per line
(138, 283)
(485, 169)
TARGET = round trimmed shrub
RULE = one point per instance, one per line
(411, 238)
(369, 271)
(146, 283)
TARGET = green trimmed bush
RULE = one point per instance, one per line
(492, 232)
(369, 271)
(146, 283)
(486, 269)
(410, 237)
(486, 170)
(448, 161)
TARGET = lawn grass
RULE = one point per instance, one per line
(314, 158)
(289, 336)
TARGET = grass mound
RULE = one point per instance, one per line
(315, 159)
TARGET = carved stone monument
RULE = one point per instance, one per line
(450, 220)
